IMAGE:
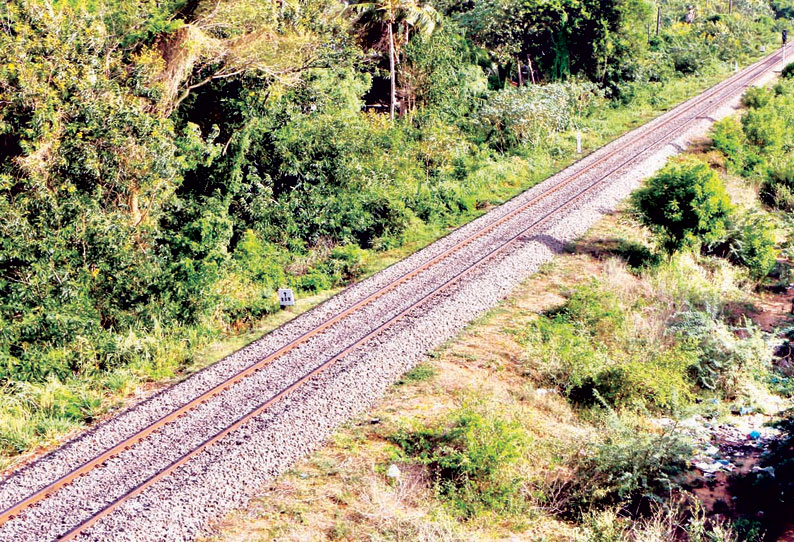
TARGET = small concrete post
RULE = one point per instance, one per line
(286, 298)
(578, 142)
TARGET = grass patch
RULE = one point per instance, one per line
(420, 373)
(471, 459)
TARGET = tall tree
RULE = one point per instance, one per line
(396, 15)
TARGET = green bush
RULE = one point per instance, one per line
(629, 467)
(788, 71)
(587, 349)
(777, 189)
(752, 243)
(347, 262)
(685, 205)
(262, 262)
(724, 361)
(529, 114)
(636, 255)
(470, 460)
(756, 97)
(728, 137)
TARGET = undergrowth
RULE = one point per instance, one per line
(111, 369)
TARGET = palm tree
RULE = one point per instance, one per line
(421, 17)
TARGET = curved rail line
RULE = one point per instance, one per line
(749, 74)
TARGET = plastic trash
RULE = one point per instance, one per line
(711, 450)
(708, 468)
(769, 470)
(393, 472)
(754, 435)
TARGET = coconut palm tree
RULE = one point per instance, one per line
(421, 17)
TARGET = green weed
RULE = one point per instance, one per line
(470, 459)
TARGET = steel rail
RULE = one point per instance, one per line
(298, 383)
(138, 437)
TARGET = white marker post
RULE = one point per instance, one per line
(578, 142)
(286, 297)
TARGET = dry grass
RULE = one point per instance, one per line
(341, 492)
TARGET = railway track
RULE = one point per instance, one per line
(68, 494)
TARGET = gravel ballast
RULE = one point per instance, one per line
(228, 473)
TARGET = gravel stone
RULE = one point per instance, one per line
(226, 474)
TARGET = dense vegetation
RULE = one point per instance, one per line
(597, 429)
(661, 339)
(166, 165)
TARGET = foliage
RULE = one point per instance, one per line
(751, 242)
(636, 255)
(728, 137)
(563, 38)
(589, 350)
(528, 115)
(470, 459)
(440, 74)
(756, 97)
(685, 205)
(397, 18)
(629, 466)
(685, 519)
(760, 147)
(724, 361)
(788, 71)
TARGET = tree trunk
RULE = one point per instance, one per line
(392, 71)
(531, 71)
(658, 19)
(520, 75)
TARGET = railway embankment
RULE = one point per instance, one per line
(490, 440)
(166, 468)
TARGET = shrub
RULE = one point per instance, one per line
(630, 466)
(724, 360)
(752, 244)
(636, 255)
(756, 97)
(526, 115)
(262, 262)
(685, 204)
(728, 137)
(778, 187)
(788, 71)
(765, 128)
(682, 519)
(587, 349)
(470, 459)
(347, 262)
(688, 60)
(315, 281)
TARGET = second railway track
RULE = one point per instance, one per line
(69, 493)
